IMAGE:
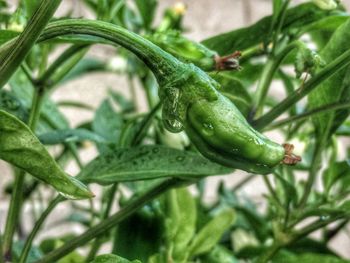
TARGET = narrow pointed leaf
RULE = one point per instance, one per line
(148, 162)
(335, 88)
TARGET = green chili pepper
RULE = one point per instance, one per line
(214, 124)
(20, 147)
(191, 102)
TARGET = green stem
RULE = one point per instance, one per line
(269, 254)
(67, 57)
(315, 226)
(110, 222)
(315, 166)
(162, 64)
(37, 226)
(1, 250)
(281, 18)
(305, 115)
(12, 59)
(328, 71)
(266, 257)
(17, 195)
(98, 241)
(243, 182)
(266, 78)
(13, 212)
(272, 190)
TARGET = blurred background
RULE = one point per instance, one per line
(203, 18)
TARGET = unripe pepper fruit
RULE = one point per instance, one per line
(191, 102)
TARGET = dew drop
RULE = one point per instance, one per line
(170, 114)
(208, 129)
(173, 125)
(180, 158)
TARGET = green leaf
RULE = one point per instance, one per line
(20, 147)
(296, 17)
(70, 135)
(180, 222)
(107, 123)
(125, 104)
(334, 172)
(148, 162)
(211, 233)
(34, 253)
(327, 23)
(143, 230)
(23, 91)
(7, 35)
(110, 258)
(147, 11)
(335, 88)
(10, 104)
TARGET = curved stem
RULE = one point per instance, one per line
(109, 222)
(38, 224)
(12, 59)
(305, 115)
(328, 71)
(162, 64)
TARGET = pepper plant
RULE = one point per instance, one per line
(209, 104)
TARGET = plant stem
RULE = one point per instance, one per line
(305, 115)
(315, 167)
(1, 250)
(37, 226)
(162, 64)
(315, 226)
(12, 59)
(110, 222)
(266, 257)
(281, 18)
(328, 71)
(266, 78)
(243, 182)
(296, 236)
(98, 241)
(67, 57)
